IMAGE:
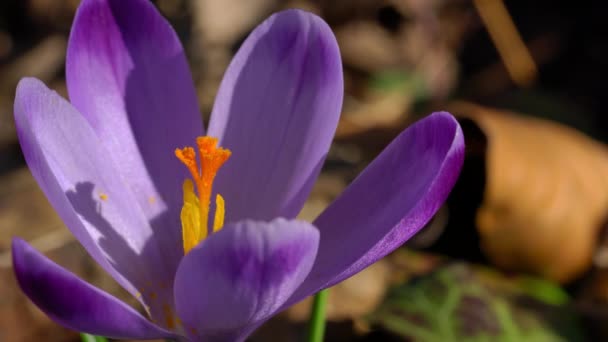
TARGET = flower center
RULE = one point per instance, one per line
(195, 212)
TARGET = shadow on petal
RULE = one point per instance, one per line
(154, 285)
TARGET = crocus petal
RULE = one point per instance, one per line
(80, 180)
(75, 304)
(241, 275)
(127, 74)
(389, 202)
(277, 109)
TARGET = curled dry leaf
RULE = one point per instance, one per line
(546, 195)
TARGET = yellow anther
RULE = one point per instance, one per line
(190, 217)
(195, 212)
(103, 197)
(218, 220)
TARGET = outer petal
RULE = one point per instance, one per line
(241, 275)
(389, 202)
(127, 74)
(81, 182)
(75, 304)
(277, 110)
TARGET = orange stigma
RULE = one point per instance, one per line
(195, 212)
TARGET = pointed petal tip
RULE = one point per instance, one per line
(457, 148)
(17, 246)
(448, 126)
(27, 82)
(29, 94)
(289, 26)
(296, 18)
(446, 118)
(25, 87)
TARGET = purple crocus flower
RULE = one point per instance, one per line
(107, 163)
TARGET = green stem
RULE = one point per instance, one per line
(316, 329)
(91, 338)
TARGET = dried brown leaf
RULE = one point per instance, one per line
(546, 193)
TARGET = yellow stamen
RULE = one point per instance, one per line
(218, 220)
(195, 212)
(190, 217)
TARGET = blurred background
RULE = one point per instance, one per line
(520, 250)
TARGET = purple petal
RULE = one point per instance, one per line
(241, 275)
(127, 74)
(80, 180)
(389, 202)
(75, 304)
(277, 110)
